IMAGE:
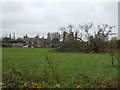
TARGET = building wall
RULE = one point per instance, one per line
(17, 44)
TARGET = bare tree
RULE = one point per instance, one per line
(103, 31)
(94, 42)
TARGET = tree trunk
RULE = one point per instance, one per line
(112, 61)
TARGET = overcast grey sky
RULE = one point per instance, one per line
(34, 18)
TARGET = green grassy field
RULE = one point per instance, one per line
(68, 64)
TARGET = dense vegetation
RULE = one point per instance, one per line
(79, 39)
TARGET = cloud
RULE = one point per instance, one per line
(43, 17)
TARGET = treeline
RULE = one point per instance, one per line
(78, 39)
(81, 40)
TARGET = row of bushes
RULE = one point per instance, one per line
(97, 47)
(17, 79)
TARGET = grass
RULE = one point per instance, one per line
(68, 64)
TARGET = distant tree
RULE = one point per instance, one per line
(118, 44)
(51, 36)
(6, 40)
(86, 28)
(91, 44)
(14, 36)
(73, 37)
(71, 32)
(10, 36)
(76, 35)
(113, 49)
(55, 40)
(70, 40)
(37, 36)
(23, 36)
(64, 34)
(101, 37)
(19, 40)
(43, 37)
(26, 36)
